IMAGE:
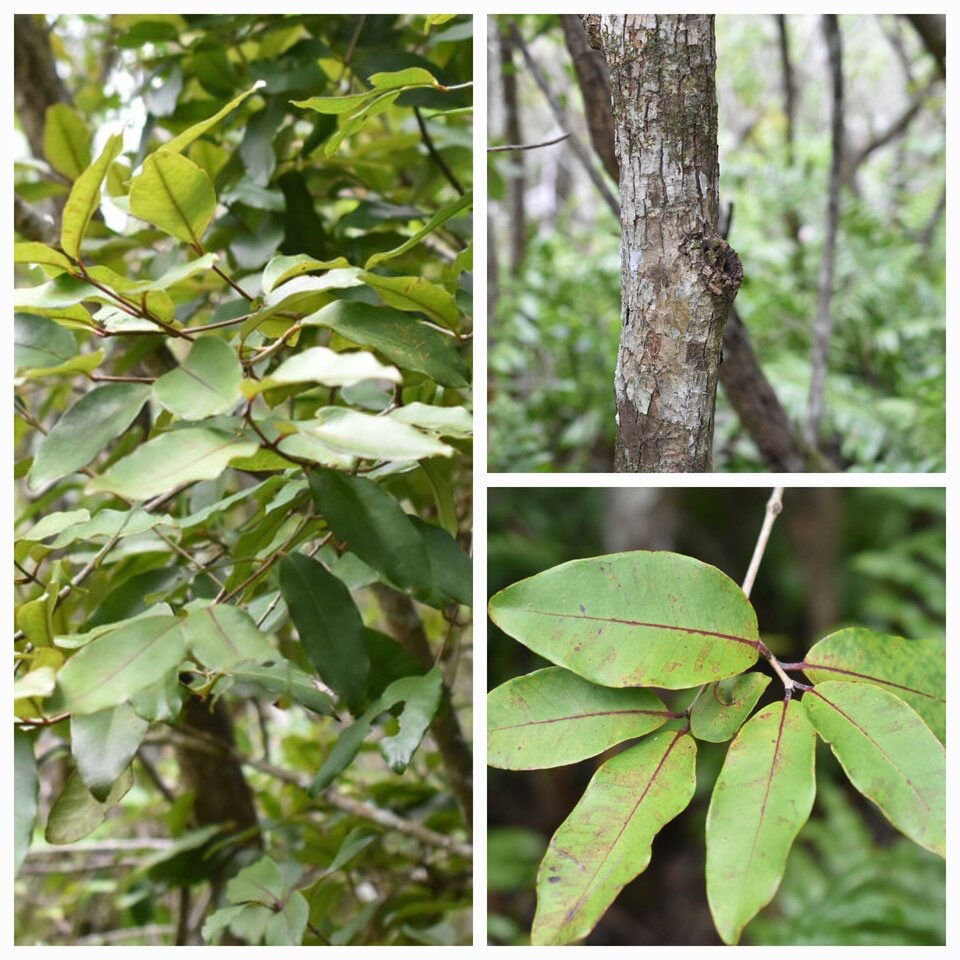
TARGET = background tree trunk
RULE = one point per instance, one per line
(678, 276)
(513, 133)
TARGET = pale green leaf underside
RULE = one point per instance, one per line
(111, 668)
(553, 717)
(914, 670)
(170, 460)
(359, 434)
(76, 812)
(207, 383)
(85, 429)
(325, 367)
(633, 619)
(606, 840)
(103, 744)
(723, 706)
(888, 752)
(174, 194)
(760, 801)
(26, 787)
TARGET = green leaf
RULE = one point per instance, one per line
(37, 683)
(606, 840)
(174, 194)
(221, 636)
(183, 140)
(85, 429)
(445, 213)
(760, 801)
(403, 340)
(283, 679)
(323, 366)
(451, 569)
(41, 343)
(103, 744)
(329, 625)
(354, 843)
(171, 460)
(358, 434)
(421, 694)
(441, 421)
(374, 526)
(335, 105)
(888, 752)
(414, 293)
(633, 619)
(288, 924)
(41, 254)
(420, 706)
(282, 268)
(113, 667)
(207, 383)
(721, 709)
(914, 670)
(398, 79)
(66, 141)
(77, 812)
(26, 789)
(552, 717)
(85, 198)
(55, 523)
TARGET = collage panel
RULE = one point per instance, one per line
(716, 716)
(716, 243)
(243, 487)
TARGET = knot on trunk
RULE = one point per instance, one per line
(719, 266)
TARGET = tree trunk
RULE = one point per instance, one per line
(513, 133)
(678, 276)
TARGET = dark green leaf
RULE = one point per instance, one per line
(103, 744)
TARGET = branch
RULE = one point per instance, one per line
(823, 325)
(527, 146)
(774, 506)
(31, 224)
(435, 153)
(575, 145)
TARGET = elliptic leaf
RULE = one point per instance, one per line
(221, 636)
(103, 744)
(41, 254)
(283, 679)
(442, 421)
(403, 340)
(326, 367)
(374, 526)
(77, 812)
(420, 706)
(888, 752)
(415, 293)
(110, 669)
(85, 429)
(634, 619)
(39, 343)
(283, 268)
(760, 801)
(409, 77)
(171, 460)
(914, 670)
(207, 383)
(552, 717)
(183, 140)
(372, 438)
(174, 194)
(26, 787)
(445, 213)
(85, 198)
(451, 569)
(329, 625)
(66, 141)
(606, 840)
(723, 706)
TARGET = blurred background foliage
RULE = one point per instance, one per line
(554, 319)
(870, 557)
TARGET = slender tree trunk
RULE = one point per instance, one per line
(678, 276)
(823, 326)
(513, 133)
(789, 85)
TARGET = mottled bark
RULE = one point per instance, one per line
(678, 276)
(36, 85)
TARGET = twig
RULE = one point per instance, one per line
(774, 506)
(578, 148)
(527, 146)
(435, 154)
